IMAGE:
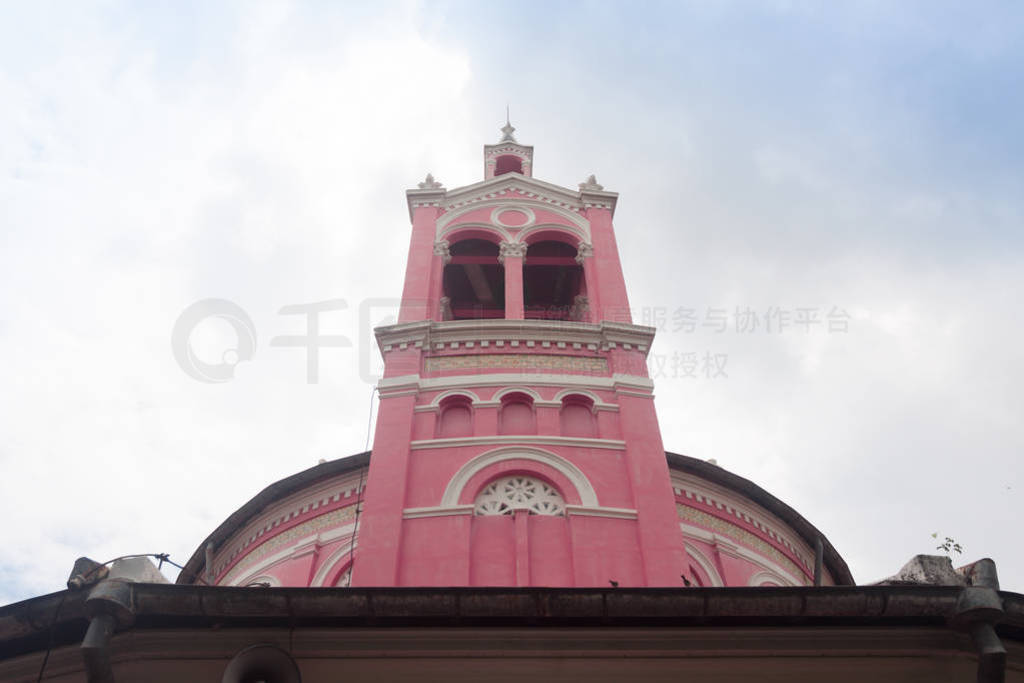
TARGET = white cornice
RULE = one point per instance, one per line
(500, 333)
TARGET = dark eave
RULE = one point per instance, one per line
(61, 618)
(262, 500)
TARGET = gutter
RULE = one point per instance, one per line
(115, 604)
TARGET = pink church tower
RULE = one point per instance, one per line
(517, 442)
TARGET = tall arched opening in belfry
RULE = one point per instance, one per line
(474, 281)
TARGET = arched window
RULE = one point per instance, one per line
(552, 282)
(516, 415)
(577, 416)
(474, 281)
(507, 163)
(519, 534)
(455, 417)
(519, 492)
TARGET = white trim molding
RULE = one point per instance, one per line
(585, 491)
(501, 393)
(727, 546)
(339, 555)
(437, 511)
(405, 384)
(524, 439)
(301, 546)
(509, 190)
(273, 581)
(570, 510)
(594, 398)
(451, 233)
(704, 563)
(598, 511)
(575, 236)
(526, 211)
(729, 502)
(760, 577)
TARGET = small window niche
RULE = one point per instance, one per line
(455, 417)
(517, 415)
(577, 416)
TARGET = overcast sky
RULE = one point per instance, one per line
(863, 159)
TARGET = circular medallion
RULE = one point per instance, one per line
(513, 217)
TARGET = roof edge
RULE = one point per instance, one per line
(808, 532)
(261, 500)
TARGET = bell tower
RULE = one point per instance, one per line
(517, 442)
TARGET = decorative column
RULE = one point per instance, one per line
(511, 256)
(438, 303)
(587, 307)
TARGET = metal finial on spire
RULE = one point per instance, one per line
(507, 129)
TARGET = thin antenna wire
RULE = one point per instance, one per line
(359, 492)
(507, 120)
(369, 420)
(49, 644)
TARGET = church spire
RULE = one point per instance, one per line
(507, 129)
(508, 155)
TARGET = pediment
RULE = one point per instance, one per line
(512, 186)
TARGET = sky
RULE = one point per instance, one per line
(854, 165)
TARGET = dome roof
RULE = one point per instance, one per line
(708, 477)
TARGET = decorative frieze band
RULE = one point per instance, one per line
(322, 522)
(725, 504)
(344, 492)
(523, 361)
(740, 535)
(513, 334)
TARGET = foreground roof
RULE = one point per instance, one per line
(887, 632)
